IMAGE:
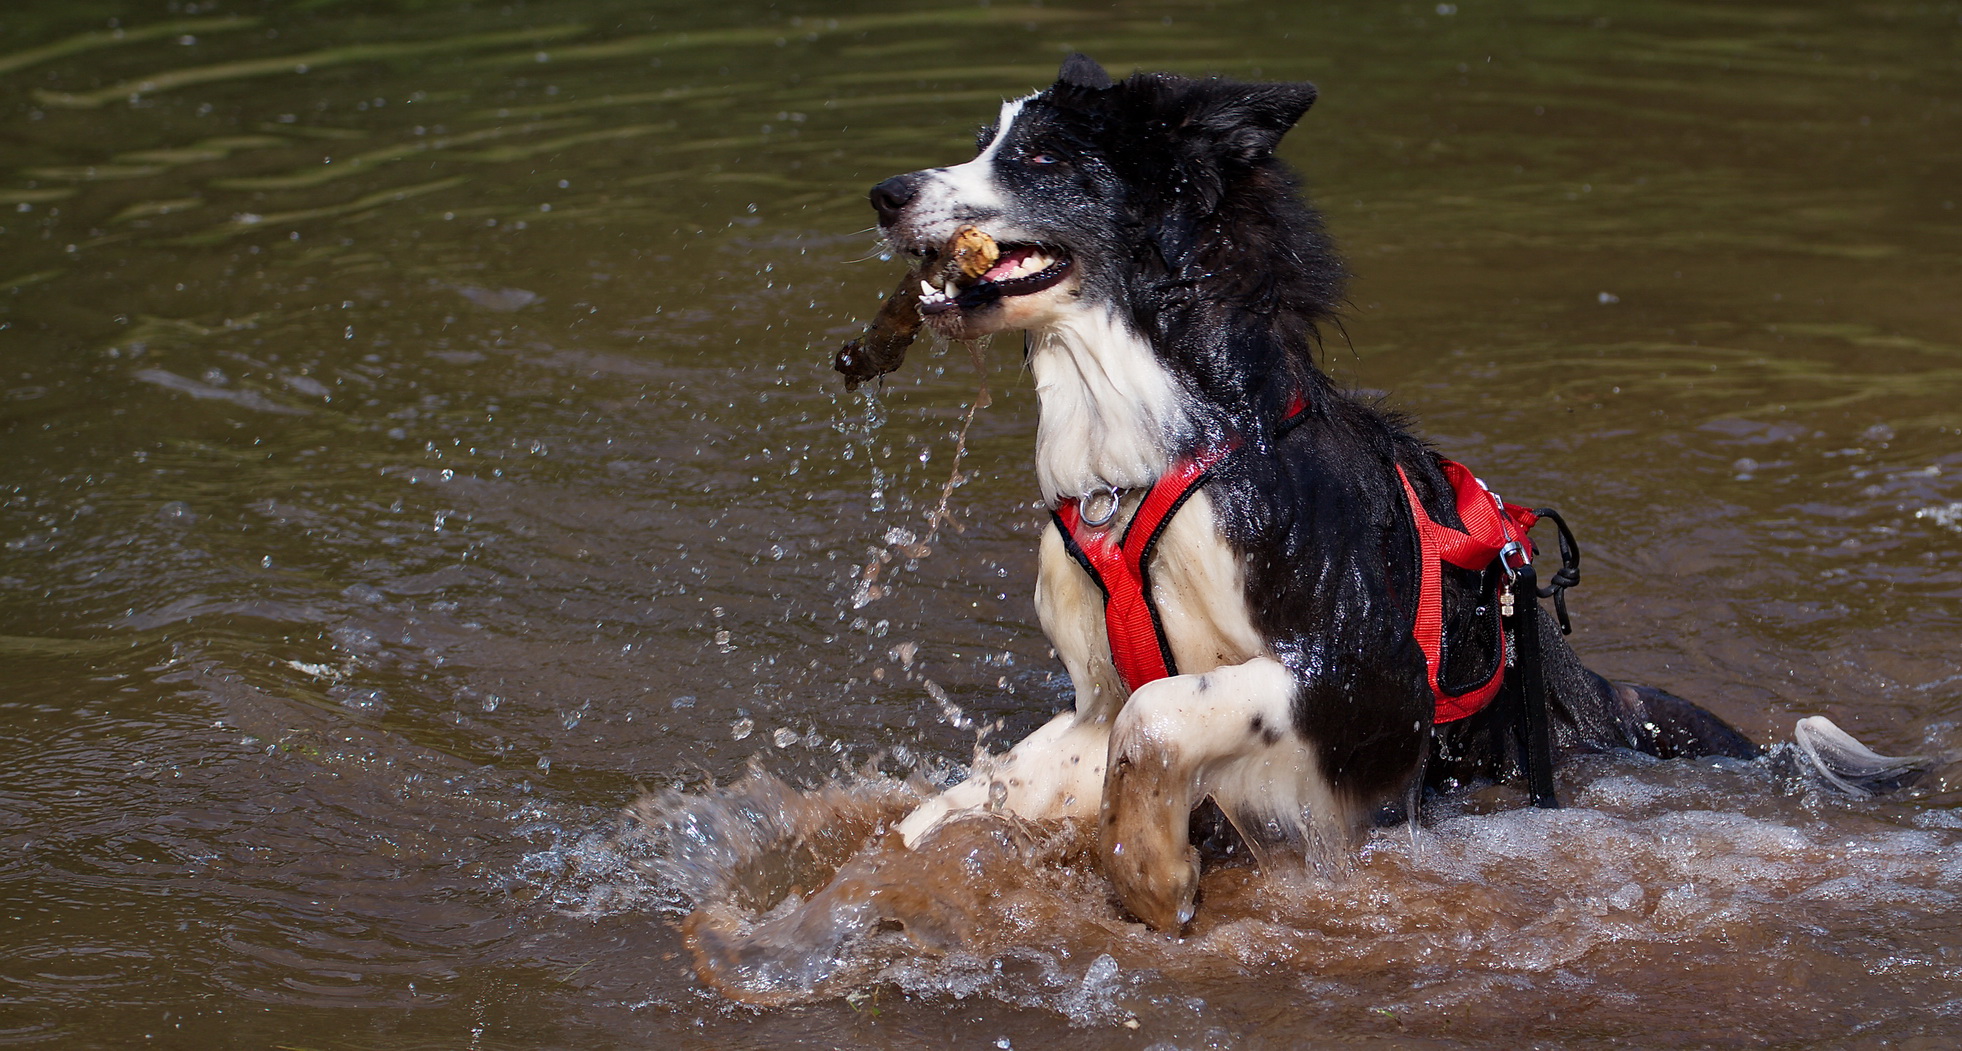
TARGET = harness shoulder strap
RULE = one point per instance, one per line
(1121, 566)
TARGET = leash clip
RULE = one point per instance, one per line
(1099, 505)
(1511, 558)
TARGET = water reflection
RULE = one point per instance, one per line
(420, 441)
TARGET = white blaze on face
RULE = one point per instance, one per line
(971, 187)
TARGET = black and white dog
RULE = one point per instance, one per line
(1242, 563)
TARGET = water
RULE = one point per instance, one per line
(426, 501)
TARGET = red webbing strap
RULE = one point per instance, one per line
(1489, 529)
(1138, 646)
(1120, 568)
(1297, 404)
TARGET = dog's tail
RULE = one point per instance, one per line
(1835, 756)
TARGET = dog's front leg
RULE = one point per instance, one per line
(1056, 772)
(1228, 733)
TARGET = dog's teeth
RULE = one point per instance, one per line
(927, 289)
(1032, 263)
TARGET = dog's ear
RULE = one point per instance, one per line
(1081, 71)
(1242, 123)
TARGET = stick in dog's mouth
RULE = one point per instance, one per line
(971, 271)
(883, 346)
(976, 270)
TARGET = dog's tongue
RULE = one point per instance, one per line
(1006, 265)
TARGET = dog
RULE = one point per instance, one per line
(1250, 577)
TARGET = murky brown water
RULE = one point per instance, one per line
(419, 446)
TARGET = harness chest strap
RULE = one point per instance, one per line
(1120, 566)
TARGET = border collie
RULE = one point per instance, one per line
(1172, 287)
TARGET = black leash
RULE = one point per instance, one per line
(1569, 573)
(1532, 688)
(1524, 621)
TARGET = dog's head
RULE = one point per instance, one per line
(1090, 189)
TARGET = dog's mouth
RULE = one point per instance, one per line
(1018, 270)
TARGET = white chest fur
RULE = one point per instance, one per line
(1199, 585)
(1109, 411)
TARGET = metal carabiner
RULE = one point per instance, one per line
(1099, 505)
(1507, 554)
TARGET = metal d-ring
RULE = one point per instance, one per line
(1099, 505)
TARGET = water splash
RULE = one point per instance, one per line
(803, 895)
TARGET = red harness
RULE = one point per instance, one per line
(1493, 529)
(1120, 566)
(1122, 569)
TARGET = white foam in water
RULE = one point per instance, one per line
(587, 869)
(1948, 515)
(1095, 994)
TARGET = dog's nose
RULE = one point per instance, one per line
(891, 197)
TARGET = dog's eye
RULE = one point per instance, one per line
(1042, 158)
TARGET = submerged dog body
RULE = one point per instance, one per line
(1172, 287)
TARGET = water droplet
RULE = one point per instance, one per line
(368, 702)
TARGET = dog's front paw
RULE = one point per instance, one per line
(1143, 837)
